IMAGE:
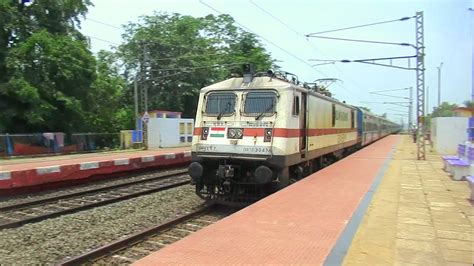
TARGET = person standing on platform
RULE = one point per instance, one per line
(413, 132)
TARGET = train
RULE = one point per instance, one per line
(261, 132)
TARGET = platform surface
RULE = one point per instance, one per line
(298, 225)
(29, 172)
(418, 216)
(30, 163)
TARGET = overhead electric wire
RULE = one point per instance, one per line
(307, 40)
(102, 40)
(274, 17)
(360, 26)
(365, 41)
(187, 56)
(267, 40)
(186, 69)
(200, 67)
(104, 23)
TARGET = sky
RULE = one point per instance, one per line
(282, 25)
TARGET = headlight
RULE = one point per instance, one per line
(205, 132)
(268, 135)
(235, 133)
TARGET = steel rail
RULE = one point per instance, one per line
(48, 215)
(84, 192)
(133, 239)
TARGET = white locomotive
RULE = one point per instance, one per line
(255, 134)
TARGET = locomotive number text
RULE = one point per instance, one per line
(264, 150)
(206, 148)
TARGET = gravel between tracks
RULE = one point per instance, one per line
(5, 201)
(50, 241)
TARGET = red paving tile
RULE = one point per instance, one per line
(298, 225)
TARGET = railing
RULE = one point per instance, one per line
(48, 143)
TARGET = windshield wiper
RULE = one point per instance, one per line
(219, 116)
(266, 110)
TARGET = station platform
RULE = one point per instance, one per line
(27, 172)
(377, 206)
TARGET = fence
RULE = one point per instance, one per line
(47, 143)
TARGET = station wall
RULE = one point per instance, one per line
(169, 132)
(448, 132)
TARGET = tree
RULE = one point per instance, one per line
(19, 21)
(49, 78)
(444, 110)
(46, 68)
(178, 55)
(106, 104)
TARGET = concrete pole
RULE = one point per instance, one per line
(472, 43)
(439, 83)
(410, 109)
(427, 100)
(135, 96)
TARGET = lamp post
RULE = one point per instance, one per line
(439, 83)
(472, 43)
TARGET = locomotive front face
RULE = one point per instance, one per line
(232, 140)
(236, 124)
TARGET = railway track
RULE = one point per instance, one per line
(12, 216)
(137, 246)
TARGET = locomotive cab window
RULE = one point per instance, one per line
(296, 105)
(220, 104)
(260, 104)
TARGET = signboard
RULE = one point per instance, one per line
(146, 117)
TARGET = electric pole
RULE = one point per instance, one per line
(410, 110)
(420, 86)
(420, 68)
(145, 69)
(427, 100)
(439, 83)
(135, 98)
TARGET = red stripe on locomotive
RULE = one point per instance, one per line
(286, 132)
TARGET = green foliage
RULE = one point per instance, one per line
(45, 66)
(49, 77)
(50, 81)
(444, 110)
(179, 55)
(106, 106)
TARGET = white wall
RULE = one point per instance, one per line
(169, 132)
(447, 133)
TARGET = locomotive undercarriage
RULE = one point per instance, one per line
(234, 182)
(241, 182)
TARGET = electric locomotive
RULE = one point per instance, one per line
(258, 133)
